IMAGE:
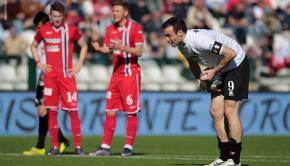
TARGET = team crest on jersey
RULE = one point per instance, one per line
(47, 91)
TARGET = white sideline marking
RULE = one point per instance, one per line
(254, 158)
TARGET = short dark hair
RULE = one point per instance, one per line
(40, 17)
(122, 3)
(58, 6)
(177, 24)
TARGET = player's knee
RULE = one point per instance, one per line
(230, 113)
(215, 113)
(231, 109)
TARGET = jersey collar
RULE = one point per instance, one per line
(57, 29)
(124, 27)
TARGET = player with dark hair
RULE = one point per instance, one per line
(59, 72)
(124, 39)
(39, 20)
(220, 54)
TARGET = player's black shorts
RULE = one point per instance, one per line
(236, 82)
(38, 95)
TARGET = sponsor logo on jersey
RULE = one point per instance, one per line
(52, 40)
(52, 49)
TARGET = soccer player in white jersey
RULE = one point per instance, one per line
(220, 54)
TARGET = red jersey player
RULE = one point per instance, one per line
(59, 80)
(124, 39)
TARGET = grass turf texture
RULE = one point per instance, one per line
(151, 151)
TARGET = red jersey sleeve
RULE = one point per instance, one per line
(38, 36)
(138, 36)
(77, 34)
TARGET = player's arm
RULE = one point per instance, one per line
(194, 68)
(137, 50)
(206, 44)
(84, 50)
(116, 45)
(33, 48)
(228, 55)
(44, 67)
(103, 49)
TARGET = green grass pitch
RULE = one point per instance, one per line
(151, 151)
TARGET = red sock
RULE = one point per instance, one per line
(76, 128)
(53, 127)
(109, 128)
(131, 128)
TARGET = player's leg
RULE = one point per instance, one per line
(51, 99)
(69, 100)
(217, 114)
(43, 124)
(113, 104)
(130, 94)
(236, 82)
(235, 127)
(63, 142)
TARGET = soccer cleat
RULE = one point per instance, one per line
(34, 151)
(216, 162)
(101, 152)
(79, 151)
(53, 151)
(230, 162)
(63, 146)
(127, 152)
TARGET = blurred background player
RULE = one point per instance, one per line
(59, 72)
(224, 55)
(40, 19)
(124, 39)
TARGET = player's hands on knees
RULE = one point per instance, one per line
(207, 75)
(210, 81)
(44, 67)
